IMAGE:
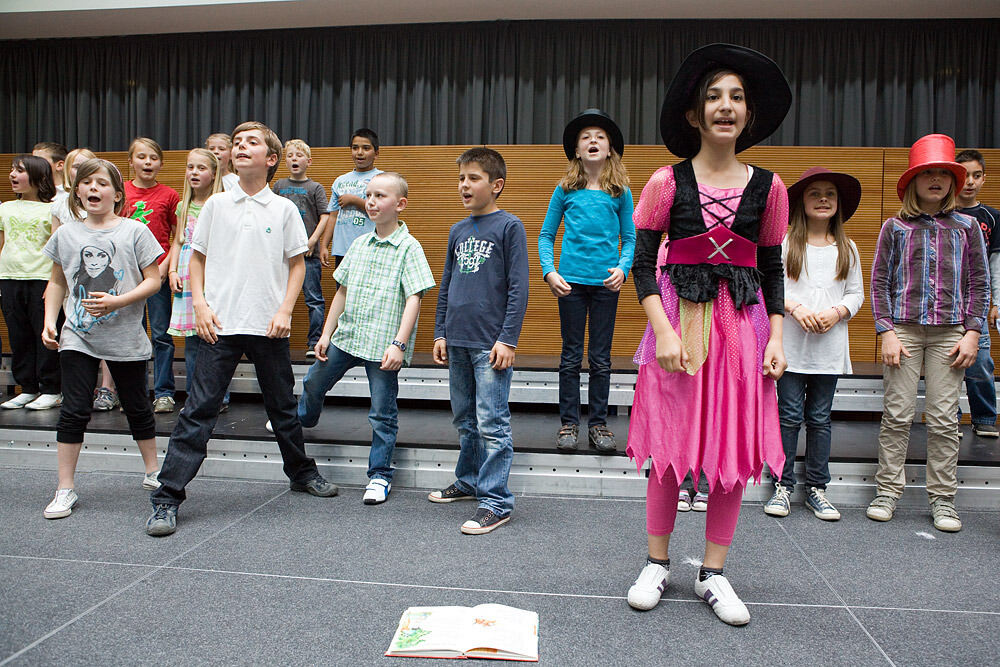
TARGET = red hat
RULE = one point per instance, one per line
(848, 189)
(935, 151)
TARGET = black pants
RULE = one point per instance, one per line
(35, 367)
(79, 375)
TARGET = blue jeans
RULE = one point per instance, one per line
(216, 365)
(192, 344)
(979, 383)
(479, 398)
(158, 307)
(601, 304)
(383, 415)
(312, 290)
(810, 397)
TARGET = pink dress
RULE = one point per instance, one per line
(723, 420)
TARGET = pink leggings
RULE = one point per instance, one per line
(661, 509)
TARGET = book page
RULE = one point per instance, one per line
(506, 629)
(430, 630)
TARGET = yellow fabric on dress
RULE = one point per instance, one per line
(696, 324)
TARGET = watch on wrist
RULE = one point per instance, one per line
(401, 346)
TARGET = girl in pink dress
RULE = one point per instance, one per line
(705, 397)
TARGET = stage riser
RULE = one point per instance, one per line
(535, 474)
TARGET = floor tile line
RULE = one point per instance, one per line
(153, 570)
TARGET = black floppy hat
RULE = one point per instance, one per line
(767, 87)
(592, 118)
(848, 189)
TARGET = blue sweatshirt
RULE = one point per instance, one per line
(594, 222)
(484, 289)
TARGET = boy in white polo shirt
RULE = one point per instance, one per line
(246, 272)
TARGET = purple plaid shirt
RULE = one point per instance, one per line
(930, 271)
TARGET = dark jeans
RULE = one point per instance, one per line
(79, 375)
(158, 307)
(192, 344)
(35, 367)
(601, 304)
(809, 397)
(216, 365)
(312, 290)
(979, 384)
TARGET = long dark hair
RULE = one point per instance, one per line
(39, 175)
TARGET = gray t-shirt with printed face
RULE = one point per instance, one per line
(104, 260)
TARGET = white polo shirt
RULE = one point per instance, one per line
(247, 242)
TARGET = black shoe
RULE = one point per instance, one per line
(224, 408)
(163, 521)
(568, 434)
(483, 521)
(448, 495)
(317, 486)
(601, 438)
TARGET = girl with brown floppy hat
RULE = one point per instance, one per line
(705, 398)
(823, 289)
(930, 297)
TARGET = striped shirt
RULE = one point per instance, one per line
(930, 271)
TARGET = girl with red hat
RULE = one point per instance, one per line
(930, 296)
(705, 397)
(823, 289)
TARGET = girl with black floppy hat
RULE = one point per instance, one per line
(930, 297)
(705, 397)
(594, 202)
(823, 289)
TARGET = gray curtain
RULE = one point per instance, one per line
(856, 83)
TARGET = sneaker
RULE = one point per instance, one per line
(483, 521)
(601, 438)
(645, 593)
(449, 495)
(377, 491)
(317, 486)
(150, 481)
(683, 501)
(821, 507)
(779, 504)
(45, 402)
(720, 596)
(163, 404)
(224, 408)
(311, 352)
(18, 401)
(986, 430)
(163, 521)
(62, 505)
(881, 508)
(105, 399)
(566, 439)
(700, 502)
(270, 429)
(945, 517)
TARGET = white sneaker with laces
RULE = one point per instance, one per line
(62, 505)
(720, 596)
(150, 481)
(45, 402)
(646, 591)
(377, 491)
(19, 401)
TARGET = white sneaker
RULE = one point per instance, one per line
(62, 505)
(377, 491)
(45, 402)
(150, 481)
(720, 596)
(683, 501)
(646, 591)
(270, 429)
(700, 502)
(19, 401)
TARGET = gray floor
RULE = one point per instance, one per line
(256, 574)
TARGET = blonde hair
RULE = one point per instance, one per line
(87, 169)
(230, 167)
(911, 203)
(402, 187)
(70, 158)
(798, 237)
(149, 142)
(613, 178)
(300, 145)
(185, 205)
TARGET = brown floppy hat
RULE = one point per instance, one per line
(848, 189)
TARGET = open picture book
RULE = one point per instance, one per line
(492, 631)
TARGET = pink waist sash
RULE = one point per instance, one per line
(720, 245)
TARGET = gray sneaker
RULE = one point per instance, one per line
(568, 434)
(881, 508)
(105, 399)
(163, 521)
(945, 517)
(780, 503)
(823, 509)
(163, 404)
(601, 438)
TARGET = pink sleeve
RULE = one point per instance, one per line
(774, 222)
(653, 209)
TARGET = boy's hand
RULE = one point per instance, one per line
(557, 284)
(324, 255)
(99, 304)
(966, 350)
(441, 352)
(206, 323)
(164, 268)
(392, 359)
(670, 353)
(50, 336)
(774, 359)
(310, 247)
(615, 280)
(992, 317)
(322, 345)
(279, 326)
(893, 350)
(346, 200)
(501, 356)
(176, 284)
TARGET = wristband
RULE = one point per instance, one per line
(792, 311)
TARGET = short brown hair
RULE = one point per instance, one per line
(488, 159)
(88, 168)
(270, 139)
(55, 150)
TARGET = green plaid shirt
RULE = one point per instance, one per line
(379, 275)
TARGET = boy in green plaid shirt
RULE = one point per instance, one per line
(373, 323)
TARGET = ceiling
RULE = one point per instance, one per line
(20, 19)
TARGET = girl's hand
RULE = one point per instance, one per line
(825, 319)
(670, 353)
(893, 350)
(967, 349)
(556, 283)
(50, 336)
(806, 319)
(99, 304)
(774, 359)
(176, 284)
(615, 280)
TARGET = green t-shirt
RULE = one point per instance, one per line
(26, 226)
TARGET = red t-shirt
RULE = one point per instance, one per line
(156, 207)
